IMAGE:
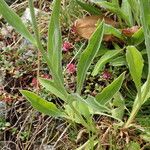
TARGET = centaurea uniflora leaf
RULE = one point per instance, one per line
(54, 46)
(108, 56)
(109, 91)
(15, 21)
(43, 106)
(89, 8)
(135, 63)
(52, 87)
(88, 55)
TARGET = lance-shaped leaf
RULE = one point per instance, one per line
(110, 30)
(54, 39)
(114, 8)
(88, 55)
(92, 103)
(43, 106)
(109, 91)
(89, 8)
(138, 37)
(108, 56)
(135, 63)
(53, 88)
(14, 20)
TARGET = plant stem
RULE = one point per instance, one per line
(139, 102)
(132, 116)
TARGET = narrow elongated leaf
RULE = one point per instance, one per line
(88, 55)
(103, 60)
(92, 103)
(108, 92)
(50, 86)
(126, 8)
(134, 4)
(137, 37)
(54, 39)
(145, 18)
(118, 61)
(114, 8)
(89, 8)
(14, 20)
(110, 30)
(43, 106)
(135, 63)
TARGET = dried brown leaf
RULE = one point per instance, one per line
(87, 25)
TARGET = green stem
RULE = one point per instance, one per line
(132, 116)
(138, 102)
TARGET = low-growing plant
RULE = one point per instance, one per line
(75, 107)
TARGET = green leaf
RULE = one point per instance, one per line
(97, 107)
(118, 61)
(54, 55)
(42, 105)
(72, 115)
(108, 92)
(54, 46)
(145, 19)
(88, 55)
(135, 63)
(126, 8)
(14, 20)
(52, 87)
(134, 4)
(92, 103)
(137, 37)
(114, 8)
(118, 112)
(118, 100)
(103, 60)
(110, 30)
(118, 105)
(89, 8)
